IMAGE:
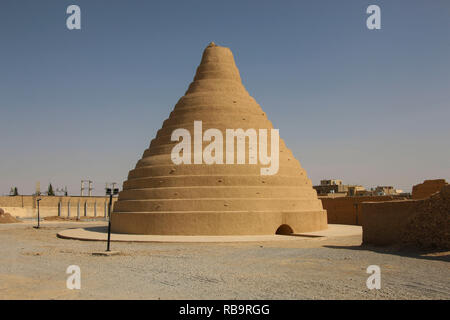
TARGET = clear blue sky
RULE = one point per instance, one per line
(368, 107)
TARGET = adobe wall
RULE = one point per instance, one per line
(423, 223)
(427, 188)
(25, 206)
(347, 210)
(384, 222)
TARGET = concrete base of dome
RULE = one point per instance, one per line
(101, 234)
(214, 223)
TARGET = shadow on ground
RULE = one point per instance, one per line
(432, 254)
(103, 229)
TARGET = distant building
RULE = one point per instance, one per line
(356, 191)
(336, 187)
(385, 191)
(330, 186)
(330, 182)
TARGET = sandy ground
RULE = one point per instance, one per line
(33, 265)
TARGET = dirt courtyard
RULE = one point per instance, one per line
(33, 265)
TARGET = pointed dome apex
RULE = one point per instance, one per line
(217, 54)
(217, 72)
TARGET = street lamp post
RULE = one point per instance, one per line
(110, 192)
(38, 215)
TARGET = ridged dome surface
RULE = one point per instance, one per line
(162, 198)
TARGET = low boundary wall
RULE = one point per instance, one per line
(62, 206)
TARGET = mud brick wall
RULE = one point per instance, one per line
(347, 210)
(384, 222)
(422, 223)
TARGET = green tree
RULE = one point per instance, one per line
(13, 191)
(50, 191)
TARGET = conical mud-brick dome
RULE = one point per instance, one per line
(163, 198)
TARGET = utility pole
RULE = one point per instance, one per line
(89, 182)
(90, 188)
(38, 188)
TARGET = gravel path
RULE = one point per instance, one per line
(33, 265)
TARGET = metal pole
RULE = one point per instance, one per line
(109, 221)
(38, 215)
